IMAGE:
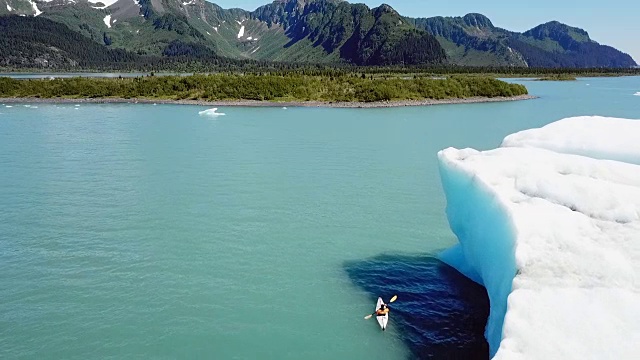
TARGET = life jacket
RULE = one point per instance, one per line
(382, 312)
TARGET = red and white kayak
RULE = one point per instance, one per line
(382, 320)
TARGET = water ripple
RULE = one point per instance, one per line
(439, 313)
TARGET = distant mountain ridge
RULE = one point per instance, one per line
(474, 40)
(318, 31)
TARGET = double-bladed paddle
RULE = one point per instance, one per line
(390, 301)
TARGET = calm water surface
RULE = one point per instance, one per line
(140, 231)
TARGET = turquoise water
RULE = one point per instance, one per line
(141, 231)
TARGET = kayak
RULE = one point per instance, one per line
(382, 320)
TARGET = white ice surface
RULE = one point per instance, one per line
(554, 237)
(594, 136)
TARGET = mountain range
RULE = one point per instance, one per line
(311, 31)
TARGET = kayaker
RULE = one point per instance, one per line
(384, 310)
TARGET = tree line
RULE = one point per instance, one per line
(266, 87)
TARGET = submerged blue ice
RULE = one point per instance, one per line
(487, 257)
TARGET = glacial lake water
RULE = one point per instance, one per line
(141, 231)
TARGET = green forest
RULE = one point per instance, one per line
(264, 87)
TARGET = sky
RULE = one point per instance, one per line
(613, 23)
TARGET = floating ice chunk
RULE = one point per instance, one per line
(107, 21)
(553, 236)
(637, 94)
(211, 112)
(9, 106)
(241, 32)
(284, 108)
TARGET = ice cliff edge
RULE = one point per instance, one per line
(549, 223)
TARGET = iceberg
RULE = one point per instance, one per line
(549, 223)
(211, 112)
(637, 94)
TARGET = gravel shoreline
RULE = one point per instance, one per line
(256, 103)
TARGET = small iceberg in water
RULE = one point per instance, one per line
(637, 94)
(211, 112)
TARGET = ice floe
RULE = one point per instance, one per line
(211, 112)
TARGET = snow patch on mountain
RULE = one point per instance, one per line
(107, 21)
(105, 2)
(35, 8)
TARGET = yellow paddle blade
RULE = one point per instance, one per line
(393, 298)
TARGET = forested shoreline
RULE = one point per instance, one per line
(186, 65)
(264, 87)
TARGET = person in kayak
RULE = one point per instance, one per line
(384, 310)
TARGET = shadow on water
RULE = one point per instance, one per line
(440, 314)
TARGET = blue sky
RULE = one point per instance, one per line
(612, 23)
